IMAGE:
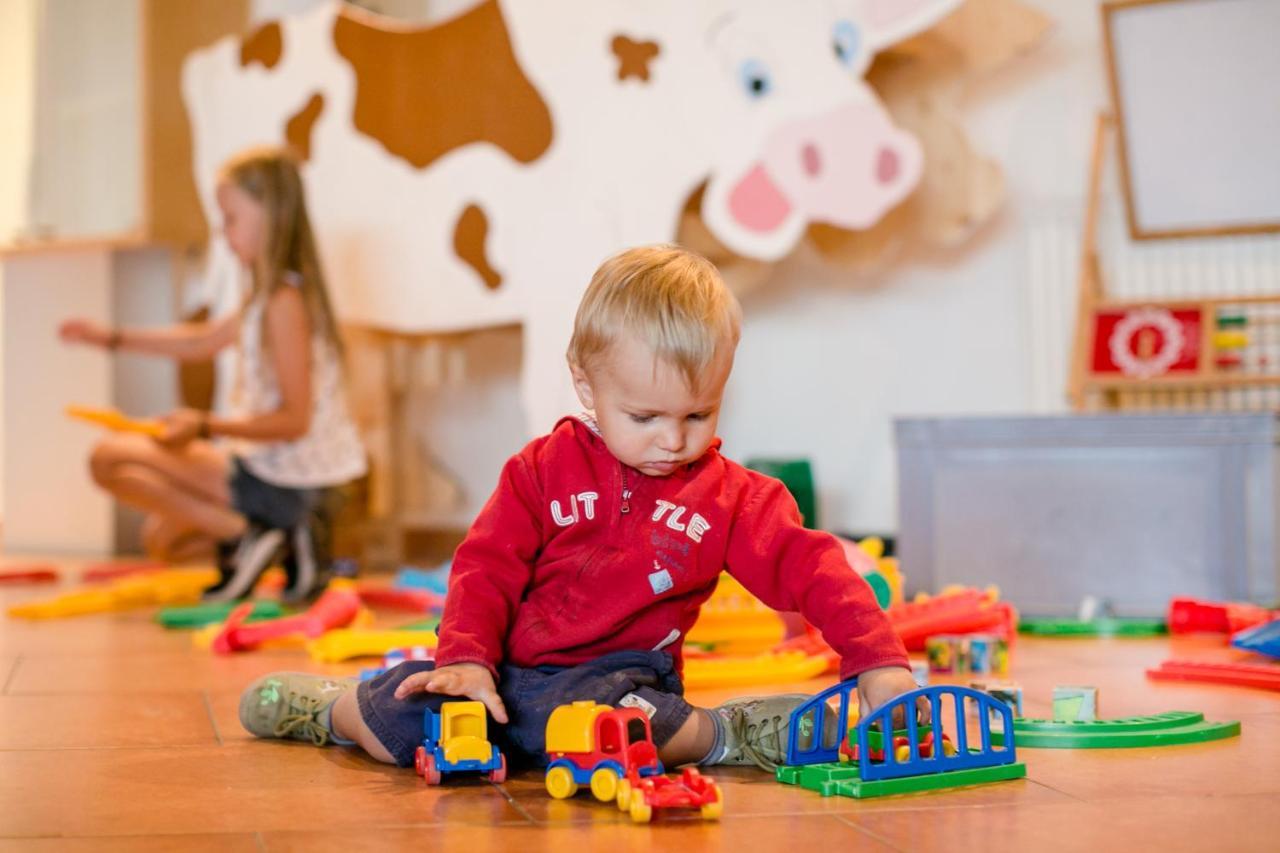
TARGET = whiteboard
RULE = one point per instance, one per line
(1196, 86)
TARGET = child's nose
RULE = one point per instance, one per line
(671, 440)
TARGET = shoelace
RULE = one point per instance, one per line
(756, 740)
(302, 722)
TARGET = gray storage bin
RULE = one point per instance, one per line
(1134, 509)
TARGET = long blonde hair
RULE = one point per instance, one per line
(269, 175)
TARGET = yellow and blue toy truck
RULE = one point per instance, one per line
(457, 739)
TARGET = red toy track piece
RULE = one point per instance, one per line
(964, 612)
(1191, 615)
(416, 600)
(42, 573)
(336, 608)
(1263, 675)
(118, 569)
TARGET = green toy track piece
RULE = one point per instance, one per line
(842, 779)
(199, 615)
(421, 625)
(1170, 729)
(1110, 627)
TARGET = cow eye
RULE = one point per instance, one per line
(844, 40)
(755, 78)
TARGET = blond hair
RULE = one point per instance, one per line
(672, 299)
(269, 175)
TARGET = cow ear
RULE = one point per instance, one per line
(890, 21)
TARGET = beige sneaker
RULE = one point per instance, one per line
(293, 705)
(755, 729)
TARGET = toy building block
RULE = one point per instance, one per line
(640, 796)
(913, 764)
(415, 600)
(173, 586)
(597, 745)
(1075, 704)
(1111, 626)
(395, 657)
(114, 420)
(346, 643)
(42, 573)
(455, 740)
(1263, 639)
(113, 569)
(335, 608)
(200, 615)
(1168, 729)
(1263, 675)
(769, 668)
(964, 611)
(920, 673)
(1192, 615)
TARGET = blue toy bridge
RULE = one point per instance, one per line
(806, 744)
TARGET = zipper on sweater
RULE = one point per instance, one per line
(626, 493)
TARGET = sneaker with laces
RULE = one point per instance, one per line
(294, 705)
(755, 729)
(243, 562)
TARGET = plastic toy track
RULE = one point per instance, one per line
(1264, 675)
(1093, 628)
(834, 779)
(1170, 729)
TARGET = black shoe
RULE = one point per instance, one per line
(243, 562)
(306, 561)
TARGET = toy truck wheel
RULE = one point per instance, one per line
(624, 794)
(713, 809)
(604, 785)
(429, 770)
(560, 783)
(420, 761)
(499, 774)
(641, 811)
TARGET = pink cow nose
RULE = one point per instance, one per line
(811, 159)
(887, 165)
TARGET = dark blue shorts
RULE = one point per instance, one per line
(266, 503)
(647, 680)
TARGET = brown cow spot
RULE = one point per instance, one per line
(469, 235)
(634, 57)
(264, 45)
(298, 129)
(422, 93)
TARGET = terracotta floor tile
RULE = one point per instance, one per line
(222, 843)
(8, 664)
(107, 720)
(615, 837)
(241, 788)
(1167, 824)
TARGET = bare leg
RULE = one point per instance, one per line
(348, 724)
(692, 742)
(169, 540)
(187, 486)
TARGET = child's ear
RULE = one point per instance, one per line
(582, 385)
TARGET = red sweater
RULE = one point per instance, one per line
(576, 555)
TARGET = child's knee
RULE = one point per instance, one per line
(103, 460)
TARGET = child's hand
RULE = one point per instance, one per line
(78, 331)
(180, 427)
(460, 679)
(878, 686)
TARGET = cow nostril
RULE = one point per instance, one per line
(887, 165)
(811, 159)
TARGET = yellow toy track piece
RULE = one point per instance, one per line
(760, 669)
(172, 586)
(345, 643)
(114, 420)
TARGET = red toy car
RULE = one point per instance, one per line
(640, 795)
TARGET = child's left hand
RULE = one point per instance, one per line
(180, 427)
(878, 686)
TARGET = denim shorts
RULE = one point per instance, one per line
(646, 680)
(265, 503)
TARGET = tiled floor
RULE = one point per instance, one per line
(118, 735)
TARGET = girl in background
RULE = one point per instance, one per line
(252, 481)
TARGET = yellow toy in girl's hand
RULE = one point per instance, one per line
(114, 420)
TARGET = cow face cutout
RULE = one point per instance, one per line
(803, 139)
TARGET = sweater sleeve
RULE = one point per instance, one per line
(789, 567)
(491, 569)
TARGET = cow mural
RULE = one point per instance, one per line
(475, 172)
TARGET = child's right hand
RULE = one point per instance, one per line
(459, 679)
(78, 331)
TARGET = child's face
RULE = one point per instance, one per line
(243, 219)
(648, 417)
